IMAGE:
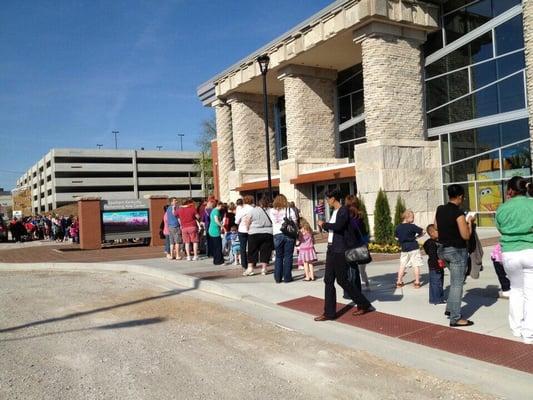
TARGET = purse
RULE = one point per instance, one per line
(359, 254)
(288, 227)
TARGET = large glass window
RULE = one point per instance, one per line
(485, 77)
(459, 17)
(483, 159)
(350, 110)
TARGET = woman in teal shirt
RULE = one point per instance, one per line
(514, 220)
(215, 227)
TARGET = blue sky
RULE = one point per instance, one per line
(73, 71)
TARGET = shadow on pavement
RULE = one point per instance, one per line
(118, 325)
(169, 293)
(476, 298)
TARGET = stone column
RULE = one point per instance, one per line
(310, 111)
(226, 157)
(392, 81)
(90, 220)
(396, 157)
(156, 212)
(528, 39)
(249, 131)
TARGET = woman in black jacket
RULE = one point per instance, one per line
(340, 238)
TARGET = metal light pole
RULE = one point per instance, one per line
(263, 61)
(116, 143)
(99, 146)
(180, 135)
(159, 147)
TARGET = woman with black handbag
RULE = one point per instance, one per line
(285, 229)
(340, 239)
(356, 271)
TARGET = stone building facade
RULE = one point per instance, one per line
(407, 96)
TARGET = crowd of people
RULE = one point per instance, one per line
(45, 227)
(253, 235)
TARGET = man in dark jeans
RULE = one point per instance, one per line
(340, 238)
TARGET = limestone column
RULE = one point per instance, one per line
(310, 111)
(528, 39)
(396, 157)
(226, 158)
(249, 131)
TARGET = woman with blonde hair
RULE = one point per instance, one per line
(284, 239)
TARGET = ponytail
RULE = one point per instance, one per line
(520, 186)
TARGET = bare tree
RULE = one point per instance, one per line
(204, 165)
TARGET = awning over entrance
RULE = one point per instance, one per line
(257, 185)
(325, 175)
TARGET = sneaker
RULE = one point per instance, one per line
(504, 295)
(263, 271)
(189, 258)
(195, 258)
(248, 272)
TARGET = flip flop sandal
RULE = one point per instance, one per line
(400, 284)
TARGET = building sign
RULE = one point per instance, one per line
(129, 204)
(125, 219)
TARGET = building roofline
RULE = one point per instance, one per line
(206, 91)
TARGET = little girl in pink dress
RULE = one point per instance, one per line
(307, 253)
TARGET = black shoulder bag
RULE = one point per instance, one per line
(359, 254)
(289, 227)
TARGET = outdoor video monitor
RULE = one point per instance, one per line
(125, 224)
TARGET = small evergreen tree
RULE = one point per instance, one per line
(365, 214)
(383, 228)
(399, 210)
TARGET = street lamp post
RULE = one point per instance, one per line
(99, 146)
(180, 135)
(116, 142)
(263, 61)
(159, 147)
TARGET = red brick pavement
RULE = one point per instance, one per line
(72, 253)
(486, 348)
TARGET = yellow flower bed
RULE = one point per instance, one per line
(384, 248)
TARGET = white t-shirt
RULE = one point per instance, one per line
(277, 217)
(332, 220)
(241, 215)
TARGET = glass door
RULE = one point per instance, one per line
(320, 190)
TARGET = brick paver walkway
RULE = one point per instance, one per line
(72, 253)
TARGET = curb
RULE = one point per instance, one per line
(187, 281)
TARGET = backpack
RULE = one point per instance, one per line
(289, 227)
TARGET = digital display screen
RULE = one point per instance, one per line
(125, 221)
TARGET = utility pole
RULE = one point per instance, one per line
(99, 146)
(116, 143)
(159, 147)
(180, 135)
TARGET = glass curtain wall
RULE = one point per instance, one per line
(475, 99)
(350, 111)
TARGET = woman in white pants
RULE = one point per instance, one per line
(514, 220)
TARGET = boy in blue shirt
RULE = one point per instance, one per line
(407, 234)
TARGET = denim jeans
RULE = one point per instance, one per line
(284, 247)
(436, 283)
(167, 244)
(456, 260)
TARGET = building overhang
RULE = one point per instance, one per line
(325, 40)
(257, 185)
(325, 175)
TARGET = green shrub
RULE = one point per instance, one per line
(399, 209)
(383, 228)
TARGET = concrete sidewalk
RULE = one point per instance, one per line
(481, 302)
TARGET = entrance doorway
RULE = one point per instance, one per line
(320, 189)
